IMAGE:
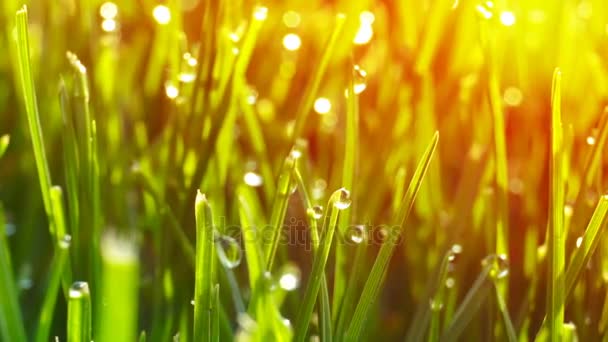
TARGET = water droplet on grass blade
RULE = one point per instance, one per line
(316, 212)
(171, 90)
(357, 234)
(228, 251)
(435, 305)
(343, 201)
(449, 283)
(499, 265)
(590, 140)
(79, 289)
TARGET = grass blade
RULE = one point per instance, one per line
(376, 276)
(31, 107)
(50, 298)
(556, 239)
(338, 201)
(79, 313)
(204, 272)
(11, 321)
(120, 287)
(60, 231)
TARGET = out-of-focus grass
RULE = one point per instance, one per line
(119, 112)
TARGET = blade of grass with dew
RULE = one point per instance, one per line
(349, 169)
(556, 239)
(142, 336)
(338, 201)
(348, 302)
(312, 87)
(279, 206)
(204, 269)
(4, 142)
(11, 321)
(79, 313)
(378, 271)
(120, 287)
(437, 301)
(31, 107)
(50, 298)
(311, 214)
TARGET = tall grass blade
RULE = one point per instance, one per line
(204, 273)
(378, 271)
(79, 313)
(339, 201)
(4, 141)
(556, 239)
(31, 107)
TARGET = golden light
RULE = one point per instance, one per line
(260, 13)
(507, 18)
(367, 17)
(108, 25)
(322, 105)
(513, 96)
(162, 14)
(291, 19)
(364, 34)
(108, 10)
(171, 90)
(292, 42)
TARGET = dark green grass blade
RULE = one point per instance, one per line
(79, 313)
(204, 272)
(11, 321)
(376, 276)
(556, 238)
(50, 298)
(337, 203)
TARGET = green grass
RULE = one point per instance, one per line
(208, 177)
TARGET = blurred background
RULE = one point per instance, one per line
(479, 72)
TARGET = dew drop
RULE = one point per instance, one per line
(316, 212)
(436, 305)
(449, 283)
(499, 265)
(252, 96)
(579, 241)
(171, 90)
(357, 234)
(79, 289)
(229, 251)
(590, 140)
(568, 210)
(343, 201)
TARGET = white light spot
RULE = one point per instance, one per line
(288, 282)
(252, 179)
(162, 14)
(364, 34)
(108, 25)
(322, 105)
(507, 18)
(292, 42)
(108, 10)
(260, 13)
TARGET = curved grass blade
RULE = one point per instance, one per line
(338, 201)
(205, 269)
(60, 231)
(11, 321)
(438, 300)
(79, 313)
(50, 298)
(556, 239)
(376, 276)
